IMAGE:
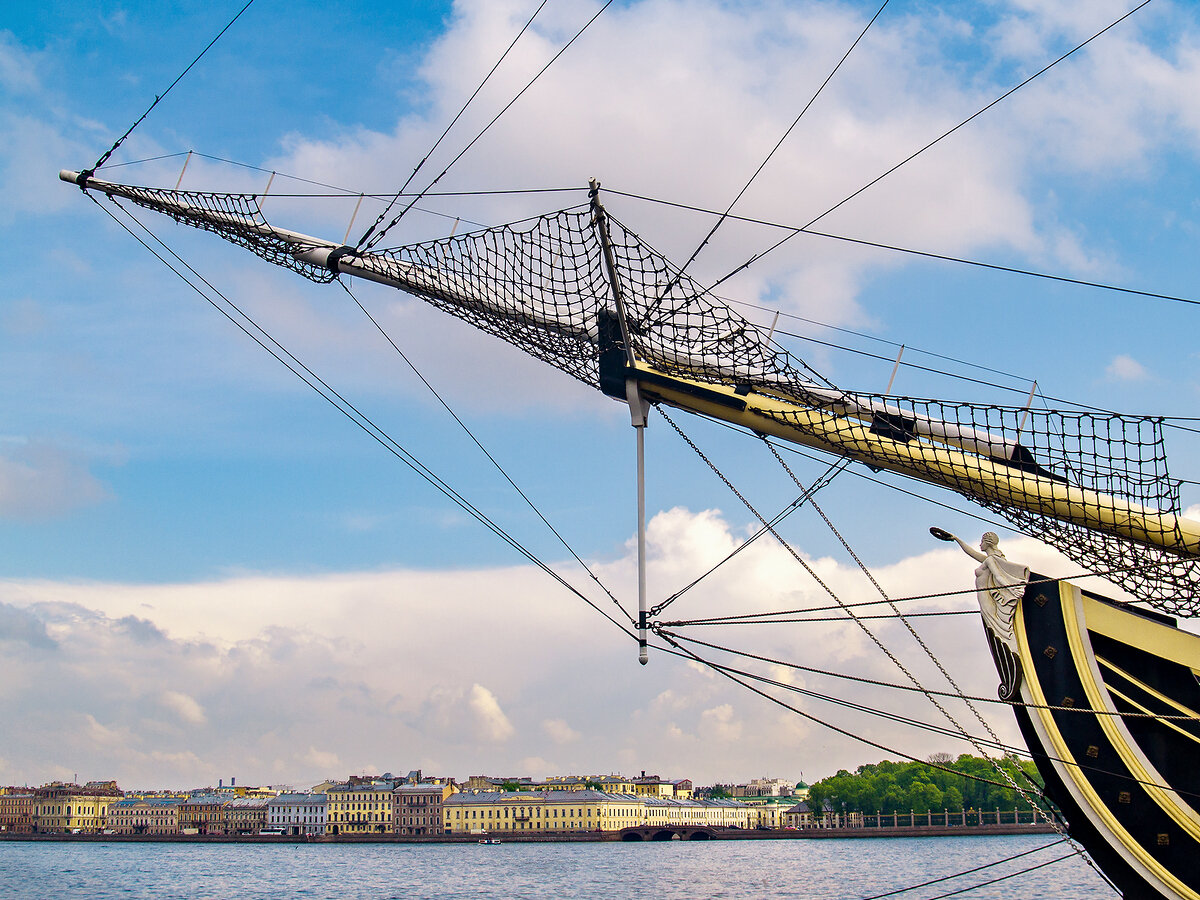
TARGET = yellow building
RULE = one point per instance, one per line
(540, 812)
(203, 814)
(364, 807)
(71, 808)
(652, 786)
(16, 811)
(675, 811)
(156, 815)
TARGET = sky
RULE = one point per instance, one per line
(206, 572)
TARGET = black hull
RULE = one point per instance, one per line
(1127, 786)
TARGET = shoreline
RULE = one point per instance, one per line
(908, 831)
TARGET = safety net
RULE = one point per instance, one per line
(542, 284)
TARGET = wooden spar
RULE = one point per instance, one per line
(925, 460)
(960, 458)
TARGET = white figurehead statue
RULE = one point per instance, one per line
(999, 584)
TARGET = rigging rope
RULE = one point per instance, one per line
(976, 741)
(367, 245)
(834, 469)
(109, 152)
(952, 695)
(811, 100)
(932, 143)
(806, 230)
(362, 240)
(932, 881)
(261, 337)
(1024, 871)
(492, 459)
(867, 631)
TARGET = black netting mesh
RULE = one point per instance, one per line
(235, 217)
(1107, 466)
(542, 285)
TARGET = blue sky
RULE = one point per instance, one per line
(148, 450)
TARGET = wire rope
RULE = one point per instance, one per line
(870, 634)
(944, 878)
(943, 257)
(934, 142)
(446, 131)
(976, 741)
(158, 97)
(891, 685)
(490, 457)
(249, 327)
(380, 234)
(811, 100)
(828, 476)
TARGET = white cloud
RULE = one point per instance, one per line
(719, 724)
(490, 720)
(560, 732)
(185, 707)
(18, 66)
(1126, 368)
(323, 760)
(407, 669)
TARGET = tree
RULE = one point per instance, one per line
(942, 783)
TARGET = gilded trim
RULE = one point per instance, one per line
(1174, 704)
(1075, 780)
(1137, 763)
(1112, 690)
(1129, 628)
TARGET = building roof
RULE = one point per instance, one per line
(248, 803)
(206, 800)
(420, 789)
(573, 797)
(297, 798)
(158, 802)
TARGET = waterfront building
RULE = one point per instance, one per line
(803, 816)
(490, 783)
(295, 813)
(768, 812)
(612, 784)
(150, 815)
(72, 808)
(17, 810)
(361, 806)
(581, 811)
(652, 786)
(246, 815)
(417, 808)
(764, 787)
(673, 811)
(540, 812)
(203, 814)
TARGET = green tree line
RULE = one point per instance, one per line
(924, 787)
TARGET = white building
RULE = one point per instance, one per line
(297, 813)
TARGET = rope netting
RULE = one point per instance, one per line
(1054, 475)
(1067, 478)
(541, 285)
(235, 217)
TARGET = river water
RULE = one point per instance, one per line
(733, 870)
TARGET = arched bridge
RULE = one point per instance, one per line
(668, 833)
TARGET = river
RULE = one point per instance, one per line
(733, 870)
